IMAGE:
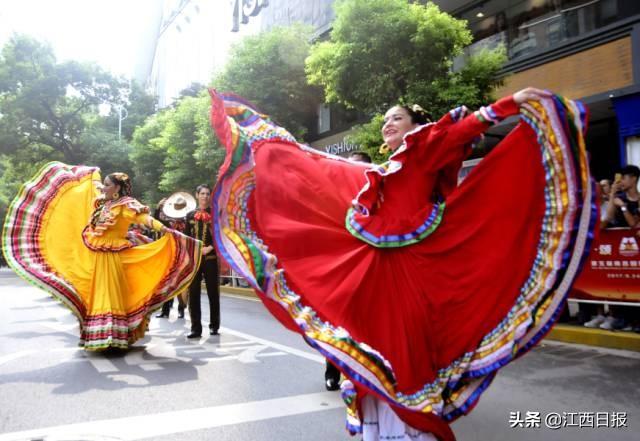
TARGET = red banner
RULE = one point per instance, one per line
(612, 269)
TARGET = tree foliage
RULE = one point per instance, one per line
(176, 149)
(368, 136)
(472, 86)
(138, 105)
(269, 70)
(148, 154)
(49, 111)
(384, 52)
(381, 51)
(193, 154)
(43, 102)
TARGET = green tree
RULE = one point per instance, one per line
(269, 70)
(49, 111)
(472, 86)
(176, 149)
(105, 150)
(43, 102)
(368, 136)
(194, 89)
(148, 154)
(383, 52)
(193, 154)
(137, 106)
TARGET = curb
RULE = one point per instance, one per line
(629, 341)
(245, 292)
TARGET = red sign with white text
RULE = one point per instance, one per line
(612, 269)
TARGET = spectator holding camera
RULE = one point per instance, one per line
(622, 210)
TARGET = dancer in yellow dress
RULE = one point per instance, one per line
(67, 239)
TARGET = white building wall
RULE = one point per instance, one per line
(193, 42)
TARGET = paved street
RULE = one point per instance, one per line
(257, 381)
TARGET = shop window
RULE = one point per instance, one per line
(528, 26)
(633, 150)
(324, 118)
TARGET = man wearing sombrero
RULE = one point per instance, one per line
(171, 212)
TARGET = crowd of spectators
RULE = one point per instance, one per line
(618, 209)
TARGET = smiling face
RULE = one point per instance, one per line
(397, 123)
(109, 188)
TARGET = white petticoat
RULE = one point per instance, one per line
(380, 423)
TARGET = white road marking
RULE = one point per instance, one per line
(230, 350)
(194, 349)
(129, 380)
(151, 367)
(271, 354)
(234, 343)
(161, 354)
(158, 354)
(235, 357)
(165, 351)
(249, 355)
(10, 357)
(284, 348)
(163, 424)
(101, 364)
(63, 328)
(74, 350)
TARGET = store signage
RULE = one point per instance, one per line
(243, 9)
(341, 148)
(612, 269)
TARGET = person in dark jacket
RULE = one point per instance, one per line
(198, 226)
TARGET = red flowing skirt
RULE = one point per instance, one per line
(425, 326)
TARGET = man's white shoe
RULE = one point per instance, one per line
(595, 322)
(608, 323)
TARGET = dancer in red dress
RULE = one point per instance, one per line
(417, 289)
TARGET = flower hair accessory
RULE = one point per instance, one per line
(122, 179)
(121, 176)
(417, 108)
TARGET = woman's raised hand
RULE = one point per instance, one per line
(530, 94)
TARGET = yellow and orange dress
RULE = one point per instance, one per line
(58, 237)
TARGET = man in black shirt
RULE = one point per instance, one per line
(198, 225)
(623, 202)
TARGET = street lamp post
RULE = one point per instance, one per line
(121, 118)
(105, 109)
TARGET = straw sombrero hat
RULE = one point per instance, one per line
(179, 204)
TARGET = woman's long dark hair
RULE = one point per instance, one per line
(123, 181)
